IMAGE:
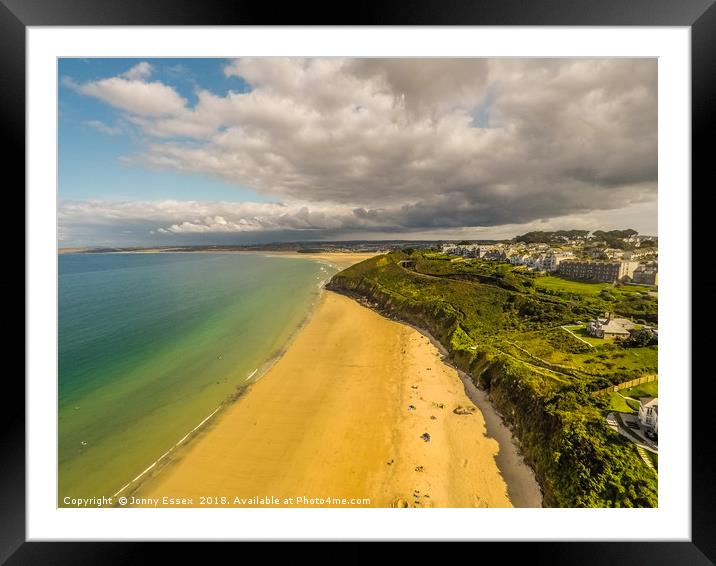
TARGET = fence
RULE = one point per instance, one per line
(628, 384)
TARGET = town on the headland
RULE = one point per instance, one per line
(617, 256)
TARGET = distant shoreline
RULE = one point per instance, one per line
(340, 259)
(300, 250)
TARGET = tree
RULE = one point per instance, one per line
(640, 339)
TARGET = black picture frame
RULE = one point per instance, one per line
(699, 15)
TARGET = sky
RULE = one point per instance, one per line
(201, 151)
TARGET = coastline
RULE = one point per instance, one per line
(295, 430)
(185, 443)
(339, 260)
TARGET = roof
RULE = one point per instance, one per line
(613, 327)
(652, 402)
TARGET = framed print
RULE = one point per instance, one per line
(288, 281)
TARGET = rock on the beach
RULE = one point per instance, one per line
(425, 436)
(463, 410)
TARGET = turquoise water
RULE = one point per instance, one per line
(150, 344)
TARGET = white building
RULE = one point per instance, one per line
(614, 253)
(468, 250)
(475, 250)
(519, 259)
(649, 413)
(538, 262)
(646, 275)
(552, 260)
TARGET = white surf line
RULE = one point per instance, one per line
(251, 374)
(166, 453)
(192, 430)
(125, 486)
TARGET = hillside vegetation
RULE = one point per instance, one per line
(503, 327)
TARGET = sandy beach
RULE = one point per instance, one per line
(359, 408)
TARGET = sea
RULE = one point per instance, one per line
(151, 344)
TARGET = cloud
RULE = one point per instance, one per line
(427, 86)
(104, 128)
(131, 93)
(140, 71)
(172, 216)
(171, 221)
(408, 144)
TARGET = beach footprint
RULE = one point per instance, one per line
(479, 502)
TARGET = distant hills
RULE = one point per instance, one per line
(613, 238)
(555, 237)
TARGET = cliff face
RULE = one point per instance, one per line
(563, 438)
(488, 371)
(439, 321)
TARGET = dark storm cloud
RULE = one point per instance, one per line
(404, 144)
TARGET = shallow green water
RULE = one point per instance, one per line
(150, 344)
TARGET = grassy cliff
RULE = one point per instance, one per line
(505, 331)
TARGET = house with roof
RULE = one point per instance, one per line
(649, 413)
(609, 327)
(493, 255)
(646, 275)
(552, 259)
